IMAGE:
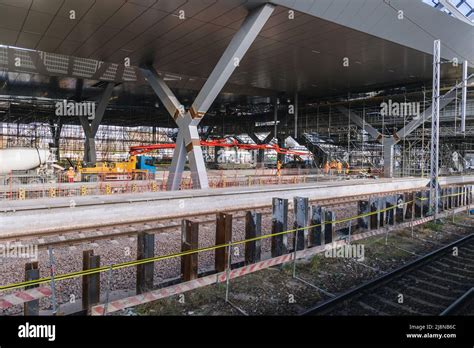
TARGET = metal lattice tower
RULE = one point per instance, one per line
(435, 130)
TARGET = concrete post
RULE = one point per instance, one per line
(189, 241)
(410, 206)
(418, 204)
(253, 229)
(401, 209)
(145, 250)
(381, 214)
(363, 207)
(90, 283)
(279, 224)
(31, 273)
(301, 221)
(329, 227)
(374, 218)
(223, 236)
(443, 199)
(317, 218)
(390, 203)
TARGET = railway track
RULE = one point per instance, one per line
(73, 236)
(430, 285)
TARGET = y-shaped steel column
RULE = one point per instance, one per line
(90, 129)
(188, 142)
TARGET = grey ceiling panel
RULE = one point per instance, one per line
(82, 31)
(146, 20)
(218, 9)
(12, 17)
(47, 6)
(9, 37)
(17, 3)
(48, 44)
(183, 29)
(68, 47)
(112, 45)
(139, 42)
(237, 14)
(124, 16)
(164, 25)
(60, 28)
(28, 39)
(192, 8)
(96, 40)
(146, 3)
(79, 7)
(304, 53)
(37, 22)
(101, 11)
(169, 6)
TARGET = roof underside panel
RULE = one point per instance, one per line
(420, 25)
(305, 53)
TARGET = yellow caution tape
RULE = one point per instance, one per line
(184, 253)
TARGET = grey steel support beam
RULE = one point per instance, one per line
(464, 97)
(390, 142)
(279, 224)
(317, 220)
(434, 193)
(354, 118)
(261, 152)
(90, 129)
(189, 241)
(253, 229)
(232, 56)
(444, 100)
(90, 283)
(223, 236)
(31, 273)
(145, 250)
(301, 221)
(188, 141)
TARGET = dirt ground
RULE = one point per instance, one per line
(274, 291)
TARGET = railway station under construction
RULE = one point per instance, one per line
(236, 158)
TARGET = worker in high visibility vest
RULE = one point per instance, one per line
(347, 168)
(326, 167)
(339, 167)
(70, 174)
(278, 168)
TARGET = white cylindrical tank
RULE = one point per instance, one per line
(21, 158)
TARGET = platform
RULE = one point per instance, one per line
(43, 215)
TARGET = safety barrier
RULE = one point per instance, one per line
(319, 234)
(65, 189)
